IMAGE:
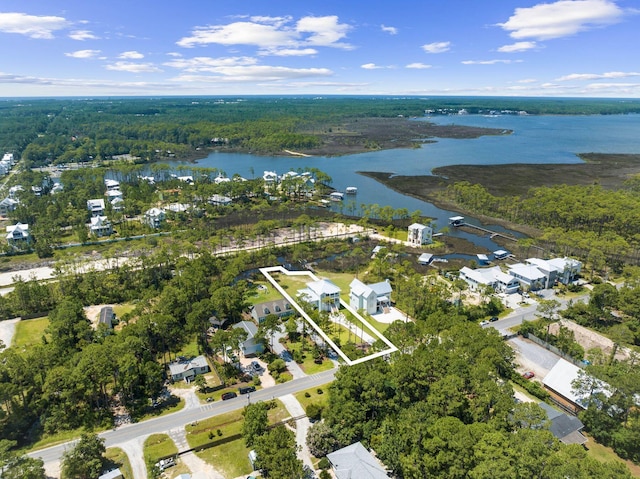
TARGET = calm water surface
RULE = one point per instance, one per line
(535, 139)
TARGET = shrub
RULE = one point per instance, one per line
(307, 395)
(324, 463)
(320, 391)
(314, 411)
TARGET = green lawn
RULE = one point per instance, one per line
(314, 397)
(262, 295)
(229, 455)
(606, 454)
(120, 460)
(122, 309)
(156, 447)
(309, 366)
(29, 332)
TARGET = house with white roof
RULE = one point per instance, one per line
(18, 235)
(8, 205)
(567, 269)
(96, 206)
(419, 234)
(14, 190)
(528, 275)
(493, 277)
(100, 226)
(117, 204)
(322, 294)
(356, 462)
(560, 383)
(219, 200)
(270, 177)
(549, 270)
(371, 298)
(111, 185)
(154, 217)
(188, 369)
(111, 194)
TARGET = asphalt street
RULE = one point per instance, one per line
(187, 416)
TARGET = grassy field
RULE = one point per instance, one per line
(229, 455)
(122, 309)
(29, 332)
(308, 365)
(606, 454)
(314, 397)
(120, 460)
(156, 447)
(263, 295)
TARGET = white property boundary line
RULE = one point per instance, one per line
(279, 269)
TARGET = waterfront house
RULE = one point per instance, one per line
(419, 234)
(529, 276)
(493, 277)
(279, 307)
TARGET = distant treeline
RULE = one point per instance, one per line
(61, 130)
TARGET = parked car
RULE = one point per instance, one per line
(493, 319)
(246, 389)
(229, 395)
(166, 463)
(528, 375)
(484, 323)
(255, 367)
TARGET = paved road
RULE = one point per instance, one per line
(186, 416)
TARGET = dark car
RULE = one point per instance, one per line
(246, 389)
(229, 395)
(255, 367)
(493, 319)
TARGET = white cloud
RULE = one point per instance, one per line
(174, 54)
(131, 55)
(528, 80)
(560, 19)
(597, 76)
(8, 78)
(437, 47)
(418, 66)
(324, 31)
(371, 66)
(133, 67)
(82, 35)
(272, 33)
(517, 47)
(488, 62)
(288, 52)
(389, 30)
(83, 54)
(254, 73)
(208, 64)
(31, 25)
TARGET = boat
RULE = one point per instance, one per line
(336, 196)
(352, 190)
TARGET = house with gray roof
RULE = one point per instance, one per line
(371, 298)
(356, 462)
(564, 427)
(250, 346)
(189, 368)
(279, 307)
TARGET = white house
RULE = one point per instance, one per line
(100, 226)
(117, 204)
(372, 298)
(112, 194)
(419, 234)
(96, 206)
(14, 190)
(249, 347)
(219, 200)
(111, 185)
(322, 294)
(528, 275)
(18, 235)
(493, 277)
(154, 217)
(270, 177)
(188, 369)
(549, 270)
(8, 205)
(567, 269)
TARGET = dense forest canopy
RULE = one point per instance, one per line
(63, 130)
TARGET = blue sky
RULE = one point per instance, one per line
(404, 47)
